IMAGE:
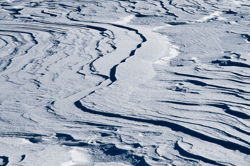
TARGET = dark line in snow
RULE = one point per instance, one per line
(172, 126)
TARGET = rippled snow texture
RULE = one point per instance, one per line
(124, 82)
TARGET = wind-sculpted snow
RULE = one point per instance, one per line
(124, 82)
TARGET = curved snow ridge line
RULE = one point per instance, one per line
(200, 83)
(6, 61)
(136, 9)
(80, 25)
(112, 73)
(172, 126)
(167, 10)
(235, 74)
(32, 29)
(237, 81)
(137, 30)
(228, 110)
(49, 29)
(112, 76)
(132, 53)
(230, 63)
(238, 93)
(102, 31)
(98, 125)
(14, 38)
(101, 54)
(181, 8)
(6, 43)
(217, 129)
(185, 153)
(31, 137)
(225, 107)
(153, 47)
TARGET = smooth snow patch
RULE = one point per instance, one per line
(139, 67)
(173, 52)
(25, 141)
(111, 164)
(238, 3)
(215, 14)
(162, 27)
(127, 147)
(125, 20)
(172, 49)
(18, 7)
(78, 157)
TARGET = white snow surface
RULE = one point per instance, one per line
(135, 82)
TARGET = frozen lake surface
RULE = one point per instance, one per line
(124, 82)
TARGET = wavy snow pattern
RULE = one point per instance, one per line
(152, 82)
